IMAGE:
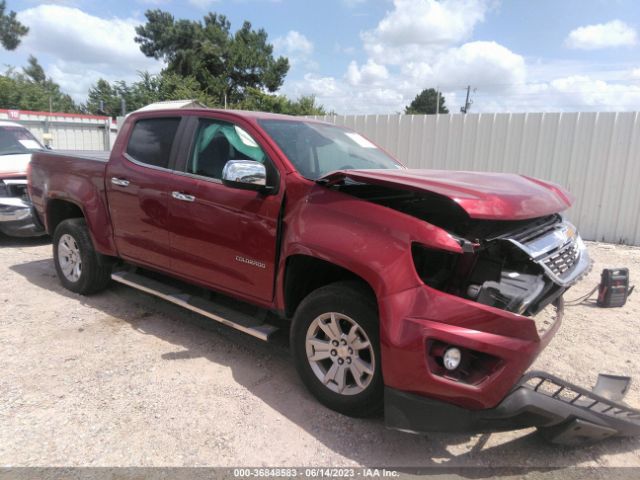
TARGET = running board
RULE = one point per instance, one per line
(220, 313)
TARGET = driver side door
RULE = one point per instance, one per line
(223, 238)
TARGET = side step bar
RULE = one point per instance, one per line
(220, 313)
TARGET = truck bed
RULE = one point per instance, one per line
(99, 155)
(54, 172)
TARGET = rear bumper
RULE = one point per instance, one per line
(18, 218)
(566, 414)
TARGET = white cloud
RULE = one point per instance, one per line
(371, 73)
(297, 48)
(203, 4)
(585, 91)
(481, 64)
(615, 33)
(635, 73)
(415, 28)
(294, 44)
(84, 47)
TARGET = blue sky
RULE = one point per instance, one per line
(374, 56)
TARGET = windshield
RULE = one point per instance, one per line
(15, 140)
(316, 149)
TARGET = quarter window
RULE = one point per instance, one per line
(151, 141)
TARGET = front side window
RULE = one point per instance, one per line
(316, 149)
(216, 143)
(15, 140)
(151, 141)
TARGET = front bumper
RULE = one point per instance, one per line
(18, 219)
(564, 413)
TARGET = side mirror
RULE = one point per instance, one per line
(245, 174)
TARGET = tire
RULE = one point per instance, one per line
(79, 267)
(345, 305)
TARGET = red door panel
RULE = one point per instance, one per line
(225, 238)
(139, 212)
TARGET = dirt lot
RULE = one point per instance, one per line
(122, 379)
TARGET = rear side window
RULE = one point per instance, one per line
(151, 141)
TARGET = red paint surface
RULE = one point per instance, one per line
(492, 196)
(199, 242)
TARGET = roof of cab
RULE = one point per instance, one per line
(247, 114)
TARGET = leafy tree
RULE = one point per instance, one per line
(11, 30)
(32, 90)
(35, 71)
(425, 102)
(171, 86)
(263, 102)
(104, 98)
(149, 89)
(224, 64)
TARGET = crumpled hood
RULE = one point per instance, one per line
(14, 164)
(491, 196)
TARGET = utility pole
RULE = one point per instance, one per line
(123, 106)
(467, 102)
(438, 101)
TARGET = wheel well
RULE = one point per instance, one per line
(304, 274)
(60, 210)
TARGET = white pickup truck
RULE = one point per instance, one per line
(16, 146)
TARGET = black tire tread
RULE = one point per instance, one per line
(356, 300)
(96, 271)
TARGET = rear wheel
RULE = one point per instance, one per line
(335, 343)
(80, 268)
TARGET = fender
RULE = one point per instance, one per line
(369, 240)
(74, 182)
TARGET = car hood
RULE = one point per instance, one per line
(14, 164)
(491, 196)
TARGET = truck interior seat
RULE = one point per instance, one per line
(214, 157)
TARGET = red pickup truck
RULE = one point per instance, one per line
(426, 293)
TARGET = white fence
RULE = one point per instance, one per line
(595, 155)
(67, 131)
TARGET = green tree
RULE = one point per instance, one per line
(32, 90)
(104, 98)
(149, 89)
(259, 101)
(35, 71)
(425, 102)
(11, 30)
(224, 64)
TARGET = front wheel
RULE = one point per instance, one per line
(80, 268)
(335, 343)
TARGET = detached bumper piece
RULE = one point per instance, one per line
(564, 414)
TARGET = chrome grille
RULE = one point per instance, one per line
(559, 250)
(563, 260)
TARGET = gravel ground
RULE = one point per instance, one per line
(124, 379)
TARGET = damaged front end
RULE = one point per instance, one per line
(521, 270)
(520, 266)
(509, 273)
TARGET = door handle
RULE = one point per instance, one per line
(121, 182)
(183, 197)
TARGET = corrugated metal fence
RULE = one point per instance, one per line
(595, 155)
(67, 131)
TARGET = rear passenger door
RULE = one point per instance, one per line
(137, 184)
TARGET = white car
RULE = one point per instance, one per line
(16, 215)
